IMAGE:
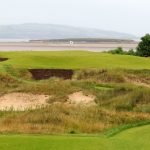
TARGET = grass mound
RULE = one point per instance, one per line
(122, 96)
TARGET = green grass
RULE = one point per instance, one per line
(123, 103)
(131, 139)
(104, 87)
(73, 60)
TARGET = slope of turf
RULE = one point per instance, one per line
(73, 60)
(132, 139)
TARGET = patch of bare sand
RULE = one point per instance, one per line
(79, 98)
(141, 84)
(22, 101)
(137, 82)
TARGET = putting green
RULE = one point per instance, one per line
(73, 60)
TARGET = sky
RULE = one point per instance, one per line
(129, 16)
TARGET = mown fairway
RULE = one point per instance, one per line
(73, 60)
(131, 139)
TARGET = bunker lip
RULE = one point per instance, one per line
(3, 59)
(40, 74)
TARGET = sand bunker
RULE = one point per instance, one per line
(3, 59)
(40, 74)
(79, 98)
(22, 101)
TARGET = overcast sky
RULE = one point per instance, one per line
(130, 16)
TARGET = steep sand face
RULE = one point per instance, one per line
(22, 101)
(79, 98)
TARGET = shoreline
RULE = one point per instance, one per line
(48, 46)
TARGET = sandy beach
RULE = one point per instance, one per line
(44, 46)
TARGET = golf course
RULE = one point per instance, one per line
(74, 75)
(80, 104)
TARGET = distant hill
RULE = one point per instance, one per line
(51, 31)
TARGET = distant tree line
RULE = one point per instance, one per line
(142, 50)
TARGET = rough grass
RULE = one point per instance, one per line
(66, 119)
(118, 102)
